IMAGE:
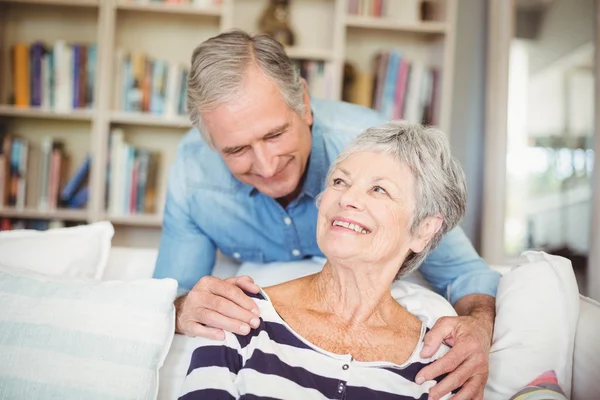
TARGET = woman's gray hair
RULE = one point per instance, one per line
(439, 179)
(219, 69)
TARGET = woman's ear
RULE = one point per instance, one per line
(428, 227)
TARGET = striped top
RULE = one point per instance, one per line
(275, 362)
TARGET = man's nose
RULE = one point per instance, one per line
(265, 163)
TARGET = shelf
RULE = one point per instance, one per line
(144, 119)
(214, 11)
(32, 112)
(428, 27)
(73, 3)
(300, 53)
(32, 213)
(142, 220)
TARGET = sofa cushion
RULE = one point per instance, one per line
(80, 252)
(67, 338)
(586, 360)
(537, 307)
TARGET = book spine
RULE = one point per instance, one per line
(21, 74)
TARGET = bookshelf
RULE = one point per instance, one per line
(325, 33)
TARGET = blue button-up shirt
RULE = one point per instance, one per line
(207, 209)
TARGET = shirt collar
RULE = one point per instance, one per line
(316, 168)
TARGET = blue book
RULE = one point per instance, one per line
(80, 199)
(76, 71)
(76, 181)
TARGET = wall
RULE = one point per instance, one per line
(468, 106)
(562, 31)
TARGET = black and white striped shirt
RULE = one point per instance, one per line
(274, 362)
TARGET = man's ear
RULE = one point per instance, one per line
(308, 117)
(428, 227)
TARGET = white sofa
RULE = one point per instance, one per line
(131, 263)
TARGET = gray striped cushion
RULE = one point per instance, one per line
(63, 338)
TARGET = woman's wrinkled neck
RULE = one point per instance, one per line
(355, 294)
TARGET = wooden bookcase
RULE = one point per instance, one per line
(324, 31)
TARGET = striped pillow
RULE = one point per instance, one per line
(65, 338)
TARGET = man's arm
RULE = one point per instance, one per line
(454, 269)
(185, 253)
(206, 304)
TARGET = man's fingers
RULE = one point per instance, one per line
(234, 294)
(448, 363)
(245, 283)
(466, 372)
(208, 302)
(193, 329)
(471, 390)
(216, 319)
(432, 341)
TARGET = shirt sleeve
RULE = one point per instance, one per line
(455, 270)
(213, 369)
(185, 253)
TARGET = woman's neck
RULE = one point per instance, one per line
(355, 295)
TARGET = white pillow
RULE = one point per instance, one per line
(586, 367)
(65, 338)
(80, 251)
(537, 307)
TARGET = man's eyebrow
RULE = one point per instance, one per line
(233, 149)
(277, 130)
(345, 172)
(272, 132)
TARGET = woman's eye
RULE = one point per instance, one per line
(379, 189)
(338, 181)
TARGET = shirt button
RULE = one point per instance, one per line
(340, 388)
(287, 220)
(296, 252)
(345, 367)
(236, 255)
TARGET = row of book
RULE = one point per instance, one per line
(38, 176)
(9, 224)
(60, 76)
(318, 75)
(145, 84)
(132, 177)
(396, 87)
(368, 8)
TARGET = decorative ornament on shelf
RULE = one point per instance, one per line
(275, 22)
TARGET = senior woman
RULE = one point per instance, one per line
(339, 334)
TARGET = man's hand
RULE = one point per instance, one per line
(214, 305)
(466, 363)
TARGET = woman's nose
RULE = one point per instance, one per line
(352, 198)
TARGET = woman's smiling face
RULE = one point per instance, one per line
(366, 210)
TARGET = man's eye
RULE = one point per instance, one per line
(275, 136)
(338, 181)
(379, 189)
(237, 152)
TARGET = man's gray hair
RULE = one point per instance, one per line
(439, 179)
(219, 69)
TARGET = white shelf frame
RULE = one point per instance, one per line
(57, 214)
(426, 27)
(172, 8)
(37, 112)
(147, 119)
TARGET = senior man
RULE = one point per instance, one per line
(245, 180)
